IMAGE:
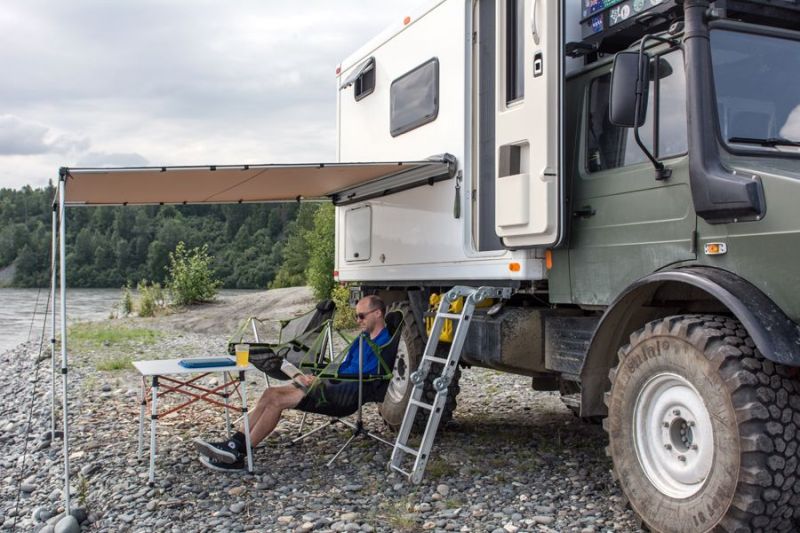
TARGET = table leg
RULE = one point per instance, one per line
(243, 383)
(227, 377)
(153, 419)
(142, 407)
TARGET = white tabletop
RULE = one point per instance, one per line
(160, 367)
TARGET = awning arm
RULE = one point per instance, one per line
(442, 167)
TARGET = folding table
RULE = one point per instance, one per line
(173, 378)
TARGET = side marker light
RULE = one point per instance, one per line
(716, 248)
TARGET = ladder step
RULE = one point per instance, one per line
(421, 404)
(452, 316)
(435, 359)
(407, 474)
(406, 449)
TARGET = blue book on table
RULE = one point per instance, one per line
(206, 362)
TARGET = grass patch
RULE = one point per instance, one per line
(103, 336)
(121, 362)
(398, 517)
(440, 468)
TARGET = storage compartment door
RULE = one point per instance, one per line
(527, 197)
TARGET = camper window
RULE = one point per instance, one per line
(414, 99)
(609, 146)
(515, 51)
(362, 79)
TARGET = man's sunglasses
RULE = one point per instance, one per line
(362, 316)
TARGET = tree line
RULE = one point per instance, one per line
(253, 246)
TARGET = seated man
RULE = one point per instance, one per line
(337, 398)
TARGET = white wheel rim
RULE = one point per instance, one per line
(673, 435)
(400, 374)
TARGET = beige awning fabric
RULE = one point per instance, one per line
(342, 182)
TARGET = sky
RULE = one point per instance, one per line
(174, 82)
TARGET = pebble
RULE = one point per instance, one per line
(237, 491)
(68, 524)
(509, 463)
(90, 469)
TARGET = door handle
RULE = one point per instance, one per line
(534, 28)
(584, 212)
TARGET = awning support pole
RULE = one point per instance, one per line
(62, 234)
(53, 264)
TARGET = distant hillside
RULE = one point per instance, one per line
(112, 246)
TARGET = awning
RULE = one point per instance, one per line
(342, 182)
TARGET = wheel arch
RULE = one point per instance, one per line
(684, 290)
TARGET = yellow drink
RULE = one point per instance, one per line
(242, 354)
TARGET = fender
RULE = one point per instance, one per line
(775, 335)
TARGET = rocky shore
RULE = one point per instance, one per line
(512, 460)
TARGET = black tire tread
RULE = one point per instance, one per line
(767, 495)
(414, 341)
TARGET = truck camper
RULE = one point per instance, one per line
(623, 179)
(598, 194)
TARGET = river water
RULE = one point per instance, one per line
(21, 317)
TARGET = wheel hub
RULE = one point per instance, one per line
(400, 377)
(673, 436)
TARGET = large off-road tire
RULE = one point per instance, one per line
(409, 354)
(703, 429)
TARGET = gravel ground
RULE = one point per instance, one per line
(512, 460)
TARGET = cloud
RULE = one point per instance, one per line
(102, 159)
(174, 82)
(18, 137)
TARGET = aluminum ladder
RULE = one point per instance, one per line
(472, 296)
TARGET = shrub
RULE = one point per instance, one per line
(191, 279)
(151, 298)
(127, 301)
(344, 318)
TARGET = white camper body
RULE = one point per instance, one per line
(420, 89)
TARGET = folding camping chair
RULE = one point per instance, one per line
(307, 336)
(371, 387)
(306, 340)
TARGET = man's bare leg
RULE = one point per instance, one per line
(268, 411)
(262, 419)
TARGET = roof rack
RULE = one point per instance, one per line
(609, 26)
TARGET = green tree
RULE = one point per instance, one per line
(320, 241)
(190, 277)
(292, 272)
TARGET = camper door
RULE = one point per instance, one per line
(527, 134)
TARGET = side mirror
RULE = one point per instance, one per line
(630, 84)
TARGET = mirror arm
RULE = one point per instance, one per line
(662, 172)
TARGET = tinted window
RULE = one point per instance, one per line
(415, 98)
(756, 79)
(609, 146)
(515, 51)
(365, 83)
